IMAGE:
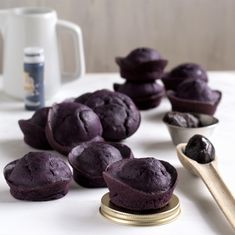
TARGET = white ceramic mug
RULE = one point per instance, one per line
(36, 27)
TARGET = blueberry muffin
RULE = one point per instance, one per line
(38, 176)
(71, 123)
(141, 64)
(118, 114)
(140, 184)
(90, 160)
(195, 96)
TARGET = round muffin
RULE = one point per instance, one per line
(38, 176)
(71, 123)
(90, 160)
(141, 64)
(195, 96)
(140, 184)
(182, 72)
(200, 149)
(119, 116)
(34, 129)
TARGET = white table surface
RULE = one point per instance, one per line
(77, 213)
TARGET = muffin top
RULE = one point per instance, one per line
(183, 72)
(146, 174)
(118, 114)
(188, 70)
(93, 159)
(142, 55)
(69, 124)
(195, 89)
(37, 169)
(74, 121)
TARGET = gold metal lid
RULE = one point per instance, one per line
(155, 217)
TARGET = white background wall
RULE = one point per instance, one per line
(200, 31)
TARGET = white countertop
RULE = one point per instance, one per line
(77, 213)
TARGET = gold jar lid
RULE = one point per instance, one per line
(155, 217)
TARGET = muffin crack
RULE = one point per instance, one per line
(83, 122)
(51, 168)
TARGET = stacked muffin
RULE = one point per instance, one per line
(188, 90)
(141, 68)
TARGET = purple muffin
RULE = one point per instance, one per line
(140, 184)
(90, 160)
(194, 89)
(119, 116)
(182, 72)
(70, 124)
(141, 64)
(145, 95)
(34, 129)
(194, 95)
(38, 176)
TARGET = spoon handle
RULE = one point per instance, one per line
(219, 191)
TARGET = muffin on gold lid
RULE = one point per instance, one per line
(141, 192)
(140, 184)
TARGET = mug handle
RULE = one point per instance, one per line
(79, 49)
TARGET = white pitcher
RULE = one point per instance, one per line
(36, 27)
